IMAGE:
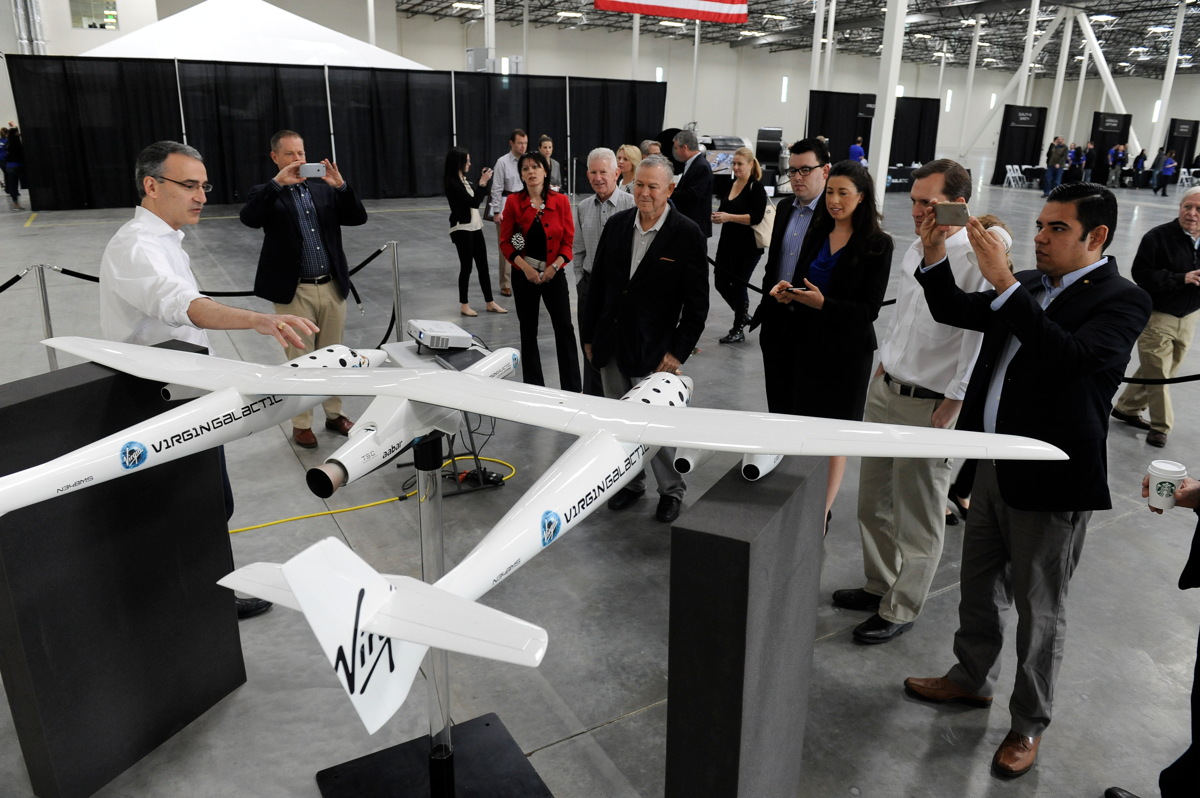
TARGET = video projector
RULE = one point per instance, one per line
(438, 334)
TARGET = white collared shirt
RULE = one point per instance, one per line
(146, 284)
(506, 178)
(590, 217)
(920, 351)
(643, 240)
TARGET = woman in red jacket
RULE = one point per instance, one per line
(536, 234)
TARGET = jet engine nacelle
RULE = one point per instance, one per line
(390, 425)
(757, 466)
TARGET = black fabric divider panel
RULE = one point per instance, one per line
(84, 120)
(834, 115)
(1019, 145)
(546, 99)
(379, 117)
(393, 127)
(1184, 146)
(914, 134)
(1105, 140)
(232, 110)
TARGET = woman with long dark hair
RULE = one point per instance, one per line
(536, 234)
(840, 280)
(466, 226)
(737, 251)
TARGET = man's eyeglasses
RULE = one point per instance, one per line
(190, 185)
(803, 171)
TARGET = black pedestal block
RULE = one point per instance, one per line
(113, 632)
(488, 763)
(745, 572)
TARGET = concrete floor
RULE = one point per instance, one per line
(592, 717)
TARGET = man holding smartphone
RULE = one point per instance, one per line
(920, 382)
(302, 268)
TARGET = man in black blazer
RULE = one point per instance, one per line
(302, 268)
(693, 195)
(646, 308)
(1181, 777)
(808, 170)
(1056, 343)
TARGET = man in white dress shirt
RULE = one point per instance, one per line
(147, 291)
(506, 179)
(920, 382)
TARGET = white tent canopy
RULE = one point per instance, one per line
(248, 31)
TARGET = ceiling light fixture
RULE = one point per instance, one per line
(1102, 18)
(774, 16)
(751, 33)
(468, 6)
(571, 14)
(666, 23)
(922, 35)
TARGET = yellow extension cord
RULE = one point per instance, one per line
(512, 472)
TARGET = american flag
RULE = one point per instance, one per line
(706, 10)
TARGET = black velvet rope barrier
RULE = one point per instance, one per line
(392, 321)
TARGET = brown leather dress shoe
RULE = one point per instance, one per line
(939, 690)
(304, 438)
(341, 425)
(1016, 755)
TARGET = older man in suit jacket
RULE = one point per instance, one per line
(646, 308)
(693, 194)
(302, 268)
(1055, 347)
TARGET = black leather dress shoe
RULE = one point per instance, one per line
(856, 599)
(668, 509)
(249, 607)
(624, 498)
(878, 629)
(1131, 419)
(1117, 792)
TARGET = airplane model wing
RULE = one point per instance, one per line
(577, 414)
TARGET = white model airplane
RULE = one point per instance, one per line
(376, 629)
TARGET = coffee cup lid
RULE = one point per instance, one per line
(1168, 468)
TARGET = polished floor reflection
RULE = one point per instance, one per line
(592, 717)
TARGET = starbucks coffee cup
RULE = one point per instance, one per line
(1165, 478)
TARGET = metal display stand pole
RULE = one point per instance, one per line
(395, 245)
(490, 763)
(427, 457)
(47, 328)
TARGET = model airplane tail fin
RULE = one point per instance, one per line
(360, 618)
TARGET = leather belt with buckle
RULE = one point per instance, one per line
(324, 278)
(915, 391)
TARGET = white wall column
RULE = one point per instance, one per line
(696, 72)
(1016, 79)
(966, 108)
(633, 57)
(1089, 36)
(1028, 56)
(1060, 77)
(814, 70)
(489, 28)
(1158, 137)
(827, 74)
(885, 97)
(1083, 68)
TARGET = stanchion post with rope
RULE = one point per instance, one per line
(395, 245)
(47, 326)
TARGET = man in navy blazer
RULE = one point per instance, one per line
(646, 308)
(302, 268)
(693, 194)
(1056, 343)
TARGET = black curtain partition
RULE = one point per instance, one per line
(232, 110)
(1109, 130)
(914, 134)
(838, 116)
(1181, 137)
(1021, 141)
(392, 127)
(84, 120)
